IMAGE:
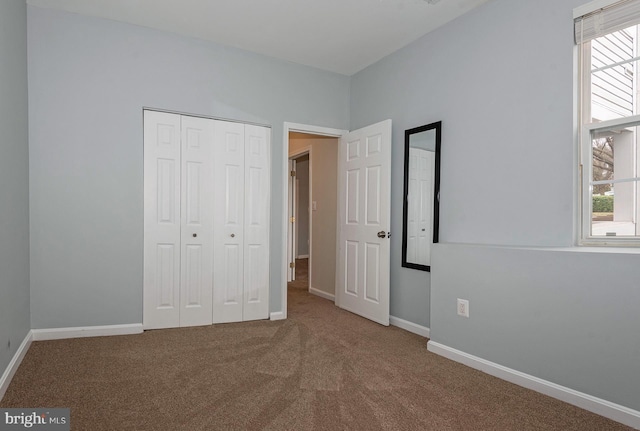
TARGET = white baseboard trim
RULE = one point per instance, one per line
(8, 374)
(277, 315)
(322, 294)
(302, 256)
(409, 326)
(593, 404)
(86, 331)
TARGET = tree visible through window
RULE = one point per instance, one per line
(602, 164)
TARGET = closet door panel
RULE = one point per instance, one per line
(229, 202)
(197, 221)
(256, 222)
(161, 262)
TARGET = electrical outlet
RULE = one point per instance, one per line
(463, 307)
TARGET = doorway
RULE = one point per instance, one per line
(300, 213)
(302, 207)
(360, 267)
(318, 148)
(313, 209)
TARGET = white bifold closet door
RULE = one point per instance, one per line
(206, 218)
(241, 218)
(178, 240)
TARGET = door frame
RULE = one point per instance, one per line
(291, 232)
(293, 239)
(302, 128)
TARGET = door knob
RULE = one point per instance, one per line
(382, 234)
(233, 235)
(195, 235)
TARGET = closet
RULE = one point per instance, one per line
(206, 221)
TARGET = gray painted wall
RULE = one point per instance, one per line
(14, 180)
(566, 316)
(506, 98)
(89, 79)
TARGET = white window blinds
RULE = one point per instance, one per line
(606, 20)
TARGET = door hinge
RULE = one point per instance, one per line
(292, 219)
(293, 173)
(292, 265)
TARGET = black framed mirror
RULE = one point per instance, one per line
(421, 195)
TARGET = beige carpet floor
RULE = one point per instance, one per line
(321, 369)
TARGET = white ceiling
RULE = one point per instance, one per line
(343, 36)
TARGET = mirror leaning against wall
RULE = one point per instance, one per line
(421, 195)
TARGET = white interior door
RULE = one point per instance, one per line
(364, 184)
(229, 154)
(161, 272)
(197, 222)
(256, 222)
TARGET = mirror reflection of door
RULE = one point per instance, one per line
(419, 202)
(422, 165)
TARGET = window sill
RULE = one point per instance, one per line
(586, 248)
(609, 248)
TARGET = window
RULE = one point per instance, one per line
(608, 39)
